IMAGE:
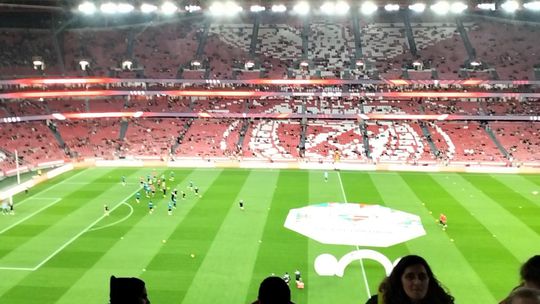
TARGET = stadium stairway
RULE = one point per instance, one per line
(123, 129)
(537, 72)
(59, 54)
(180, 137)
(357, 35)
(254, 36)
(465, 38)
(363, 131)
(496, 141)
(305, 39)
(56, 134)
(429, 139)
(409, 33)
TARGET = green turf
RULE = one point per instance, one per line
(62, 249)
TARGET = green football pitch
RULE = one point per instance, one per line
(60, 248)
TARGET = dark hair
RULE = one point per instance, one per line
(126, 290)
(530, 271)
(523, 293)
(392, 288)
(274, 290)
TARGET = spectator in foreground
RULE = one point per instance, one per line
(274, 290)
(529, 277)
(411, 282)
(523, 295)
(530, 273)
(128, 291)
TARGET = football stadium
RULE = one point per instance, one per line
(203, 146)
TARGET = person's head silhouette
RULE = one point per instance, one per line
(128, 291)
(274, 290)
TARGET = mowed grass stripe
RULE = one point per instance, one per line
(53, 227)
(283, 250)
(522, 185)
(515, 203)
(447, 261)
(44, 285)
(195, 234)
(484, 253)
(331, 289)
(501, 223)
(535, 178)
(130, 245)
(228, 264)
(360, 188)
(39, 224)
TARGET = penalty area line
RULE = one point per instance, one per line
(80, 233)
(30, 215)
(357, 247)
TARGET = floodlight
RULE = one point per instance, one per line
(304, 64)
(487, 6)
(533, 6)
(195, 63)
(458, 7)
(301, 8)
(475, 63)
(124, 8)
(232, 8)
(84, 64)
(342, 7)
(279, 8)
(217, 8)
(109, 8)
(192, 8)
(440, 8)
(417, 7)
(391, 7)
(328, 8)
(127, 64)
(368, 8)
(168, 8)
(87, 8)
(257, 8)
(148, 8)
(417, 63)
(510, 6)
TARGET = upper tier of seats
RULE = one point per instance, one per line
(330, 47)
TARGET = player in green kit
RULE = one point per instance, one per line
(171, 176)
(150, 207)
(138, 197)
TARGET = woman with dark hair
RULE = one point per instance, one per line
(411, 282)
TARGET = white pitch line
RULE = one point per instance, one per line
(81, 233)
(357, 247)
(119, 221)
(17, 268)
(49, 188)
(30, 215)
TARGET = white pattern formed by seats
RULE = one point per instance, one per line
(280, 41)
(395, 142)
(265, 140)
(237, 35)
(383, 40)
(330, 45)
(353, 149)
(427, 34)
